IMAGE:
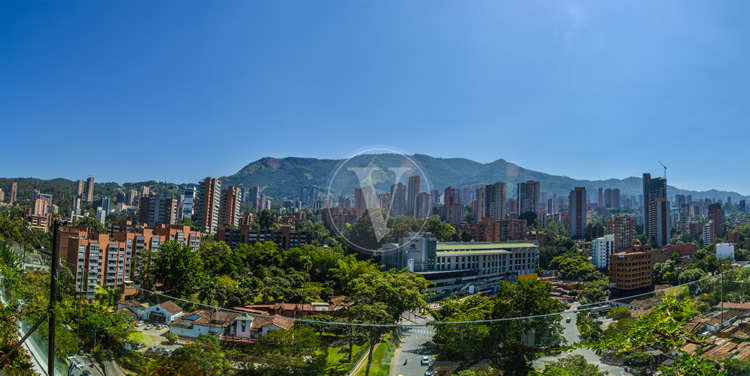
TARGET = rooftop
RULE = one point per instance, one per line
(484, 246)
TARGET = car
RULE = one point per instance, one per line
(159, 326)
(148, 327)
(427, 373)
(77, 363)
(425, 361)
(167, 352)
(139, 323)
(151, 348)
(568, 319)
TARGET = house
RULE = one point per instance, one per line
(249, 329)
(296, 310)
(164, 313)
(196, 323)
(136, 306)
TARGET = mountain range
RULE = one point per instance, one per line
(284, 177)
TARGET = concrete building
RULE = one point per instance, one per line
(495, 196)
(528, 197)
(363, 197)
(665, 253)
(13, 193)
(80, 188)
(708, 233)
(335, 219)
(716, 218)
(422, 206)
(397, 200)
(453, 209)
(652, 189)
(90, 190)
(285, 237)
(608, 198)
(157, 209)
(2, 195)
(230, 206)
(188, 202)
(725, 251)
(104, 203)
(632, 269)
(130, 197)
(623, 230)
(660, 221)
(411, 200)
(577, 212)
(208, 205)
(481, 204)
(461, 267)
(601, 249)
(616, 198)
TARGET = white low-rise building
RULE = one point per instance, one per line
(725, 251)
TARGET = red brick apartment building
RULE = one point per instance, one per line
(632, 269)
(507, 229)
(623, 228)
(285, 237)
(108, 260)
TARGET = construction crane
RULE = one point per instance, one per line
(665, 169)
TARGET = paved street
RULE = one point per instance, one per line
(413, 347)
(571, 334)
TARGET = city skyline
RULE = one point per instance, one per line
(376, 76)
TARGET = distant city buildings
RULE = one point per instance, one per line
(285, 237)
(13, 193)
(632, 269)
(495, 197)
(652, 189)
(487, 230)
(157, 209)
(622, 229)
(230, 206)
(90, 190)
(601, 249)
(660, 221)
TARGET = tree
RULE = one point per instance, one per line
(619, 313)
(662, 328)
(502, 341)
(530, 218)
(205, 355)
(178, 268)
(572, 365)
(300, 341)
(466, 236)
(691, 275)
(443, 232)
(172, 338)
(266, 220)
(571, 266)
(92, 224)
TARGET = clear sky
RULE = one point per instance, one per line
(180, 90)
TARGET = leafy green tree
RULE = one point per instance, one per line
(662, 328)
(591, 295)
(574, 267)
(266, 220)
(466, 236)
(172, 338)
(178, 268)
(443, 232)
(691, 275)
(530, 218)
(204, 355)
(504, 343)
(92, 224)
(300, 341)
(735, 367)
(638, 358)
(398, 290)
(619, 313)
(572, 365)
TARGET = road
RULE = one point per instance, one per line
(113, 369)
(571, 334)
(414, 346)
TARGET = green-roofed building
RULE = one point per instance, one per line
(461, 267)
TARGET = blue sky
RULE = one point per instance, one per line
(180, 90)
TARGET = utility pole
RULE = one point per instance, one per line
(53, 297)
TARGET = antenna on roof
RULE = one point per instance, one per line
(665, 170)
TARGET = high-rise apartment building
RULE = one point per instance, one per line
(345, 203)
(577, 212)
(422, 206)
(716, 218)
(208, 205)
(157, 209)
(512, 208)
(103, 203)
(398, 200)
(2, 195)
(622, 228)
(616, 198)
(13, 193)
(453, 208)
(145, 191)
(478, 207)
(253, 197)
(601, 198)
(261, 202)
(80, 188)
(495, 197)
(486, 230)
(90, 190)
(608, 198)
(314, 197)
(363, 197)
(303, 195)
(230, 206)
(660, 221)
(75, 206)
(742, 207)
(435, 197)
(652, 189)
(411, 201)
(528, 197)
(188, 202)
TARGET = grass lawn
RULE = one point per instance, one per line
(381, 358)
(139, 337)
(675, 291)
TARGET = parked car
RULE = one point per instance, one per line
(159, 326)
(138, 323)
(425, 361)
(77, 363)
(167, 352)
(568, 319)
(427, 373)
(151, 348)
(148, 327)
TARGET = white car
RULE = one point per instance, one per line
(425, 361)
